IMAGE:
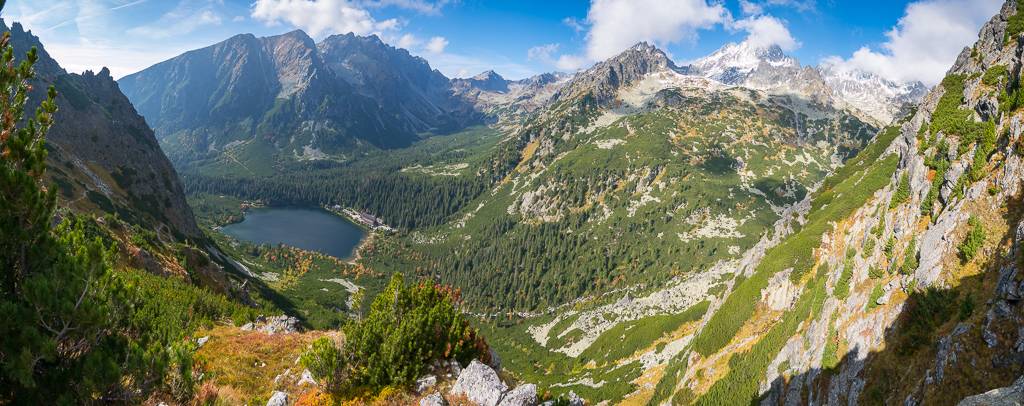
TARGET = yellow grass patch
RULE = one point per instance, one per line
(243, 364)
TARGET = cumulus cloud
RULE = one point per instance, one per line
(421, 6)
(925, 42)
(765, 30)
(321, 17)
(436, 45)
(542, 53)
(614, 25)
(618, 24)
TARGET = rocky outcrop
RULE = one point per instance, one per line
(273, 324)
(601, 83)
(434, 399)
(523, 395)
(1009, 396)
(480, 384)
(278, 399)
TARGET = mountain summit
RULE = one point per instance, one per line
(734, 63)
(287, 97)
(603, 80)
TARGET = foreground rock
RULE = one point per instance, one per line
(524, 395)
(1012, 395)
(434, 399)
(278, 399)
(273, 324)
(480, 384)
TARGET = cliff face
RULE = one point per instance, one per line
(102, 156)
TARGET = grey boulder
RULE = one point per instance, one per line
(523, 395)
(479, 384)
(1012, 395)
(278, 399)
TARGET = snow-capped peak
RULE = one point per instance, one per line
(880, 98)
(734, 62)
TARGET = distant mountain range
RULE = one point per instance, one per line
(286, 97)
(263, 101)
(769, 68)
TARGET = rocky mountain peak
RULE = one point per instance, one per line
(603, 80)
(489, 81)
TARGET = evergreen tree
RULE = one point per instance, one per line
(58, 296)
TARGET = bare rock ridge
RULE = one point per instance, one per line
(102, 155)
(289, 92)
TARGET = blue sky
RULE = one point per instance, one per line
(901, 40)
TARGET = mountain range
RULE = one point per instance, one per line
(738, 229)
(288, 98)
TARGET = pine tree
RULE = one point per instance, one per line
(56, 288)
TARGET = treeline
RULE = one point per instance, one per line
(402, 200)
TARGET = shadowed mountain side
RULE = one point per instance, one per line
(946, 343)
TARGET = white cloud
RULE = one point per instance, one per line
(436, 45)
(575, 24)
(321, 17)
(421, 6)
(542, 53)
(751, 8)
(925, 42)
(179, 21)
(765, 30)
(571, 62)
(408, 41)
(615, 25)
(799, 5)
(618, 24)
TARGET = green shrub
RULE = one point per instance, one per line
(869, 246)
(890, 247)
(925, 312)
(876, 293)
(966, 308)
(406, 327)
(974, 240)
(842, 288)
(875, 272)
(993, 74)
(323, 360)
(902, 194)
(909, 259)
(830, 355)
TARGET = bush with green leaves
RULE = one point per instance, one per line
(974, 240)
(910, 261)
(407, 327)
(902, 194)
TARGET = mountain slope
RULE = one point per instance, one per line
(102, 155)
(255, 100)
(897, 283)
(615, 173)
